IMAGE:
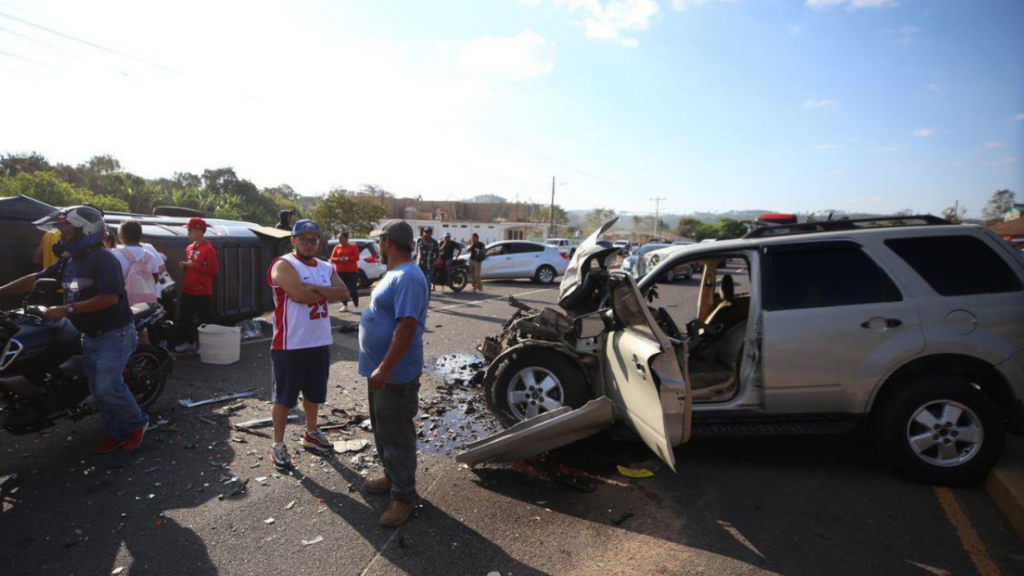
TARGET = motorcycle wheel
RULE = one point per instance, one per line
(145, 374)
(458, 280)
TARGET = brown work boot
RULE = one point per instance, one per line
(380, 485)
(398, 513)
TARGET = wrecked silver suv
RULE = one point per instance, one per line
(911, 326)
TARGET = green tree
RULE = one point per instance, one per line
(954, 214)
(729, 228)
(338, 209)
(543, 214)
(593, 220)
(13, 164)
(696, 229)
(998, 204)
(46, 187)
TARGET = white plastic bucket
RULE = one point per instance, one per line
(219, 344)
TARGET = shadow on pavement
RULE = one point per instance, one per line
(421, 547)
(795, 506)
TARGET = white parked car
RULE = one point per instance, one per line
(371, 268)
(521, 259)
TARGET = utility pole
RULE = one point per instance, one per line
(657, 214)
(551, 231)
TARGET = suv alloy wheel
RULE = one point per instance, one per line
(939, 429)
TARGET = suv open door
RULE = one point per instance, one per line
(644, 384)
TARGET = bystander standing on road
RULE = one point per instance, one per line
(477, 254)
(96, 304)
(391, 358)
(345, 258)
(139, 267)
(201, 267)
(427, 251)
(300, 352)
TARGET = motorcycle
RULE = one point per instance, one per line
(41, 373)
(457, 278)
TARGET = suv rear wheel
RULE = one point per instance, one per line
(939, 429)
(535, 381)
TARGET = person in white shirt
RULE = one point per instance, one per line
(135, 259)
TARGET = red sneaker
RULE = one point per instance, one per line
(134, 439)
(108, 445)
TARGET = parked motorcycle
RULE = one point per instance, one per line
(456, 278)
(41, 372)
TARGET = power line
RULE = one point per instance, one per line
(87, 43)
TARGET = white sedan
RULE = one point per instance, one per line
(521, 259)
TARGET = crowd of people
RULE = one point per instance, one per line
(103, 273)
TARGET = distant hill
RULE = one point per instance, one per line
(576, 217)
(486, 199)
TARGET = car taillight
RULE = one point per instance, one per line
(565, 255)
(370, 259)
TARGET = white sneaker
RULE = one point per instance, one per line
(186, 347)
(344, 308)
(354, 309)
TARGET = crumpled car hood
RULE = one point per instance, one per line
(587, 250)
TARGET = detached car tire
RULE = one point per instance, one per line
(939, 429)
(541, 380)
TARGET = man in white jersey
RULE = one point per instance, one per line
(300, 353)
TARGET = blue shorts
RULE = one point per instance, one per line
(304, 370)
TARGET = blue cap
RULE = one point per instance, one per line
(304, 227)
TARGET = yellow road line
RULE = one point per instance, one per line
(968, 535)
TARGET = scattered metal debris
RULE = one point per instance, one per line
(346, 446)
(189, 403)
(290, 505)
(316, 540)
(269, 521)
(261, 422)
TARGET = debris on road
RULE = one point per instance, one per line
(635, 473)
(346, 446)
(261, 422)
(316, 540)
(269, 521)
(625, 515)
(189, 403)
(290, 505)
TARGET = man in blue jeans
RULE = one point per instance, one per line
(96, 304)
(391, 358)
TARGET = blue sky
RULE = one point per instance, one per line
(866, 105)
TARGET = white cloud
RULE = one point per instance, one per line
(796, 29)
(924, 132)
(681, 5)
(1019, 117)
(934, 87)
(525, 55)
(851, 4)
(609, 20)
(1008, 161)
(830, 146)
(995, 144)
(531, 4)
(825, 103)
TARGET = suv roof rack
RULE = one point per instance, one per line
(838, 225)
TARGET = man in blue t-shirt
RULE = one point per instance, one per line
(96, 304)
(391, 358)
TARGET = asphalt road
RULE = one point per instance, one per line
(803, 506)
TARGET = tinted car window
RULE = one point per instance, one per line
(824, 275)
(956, 265)
(522, 247)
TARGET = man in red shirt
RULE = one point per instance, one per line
(200, 266)
(345, 258)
